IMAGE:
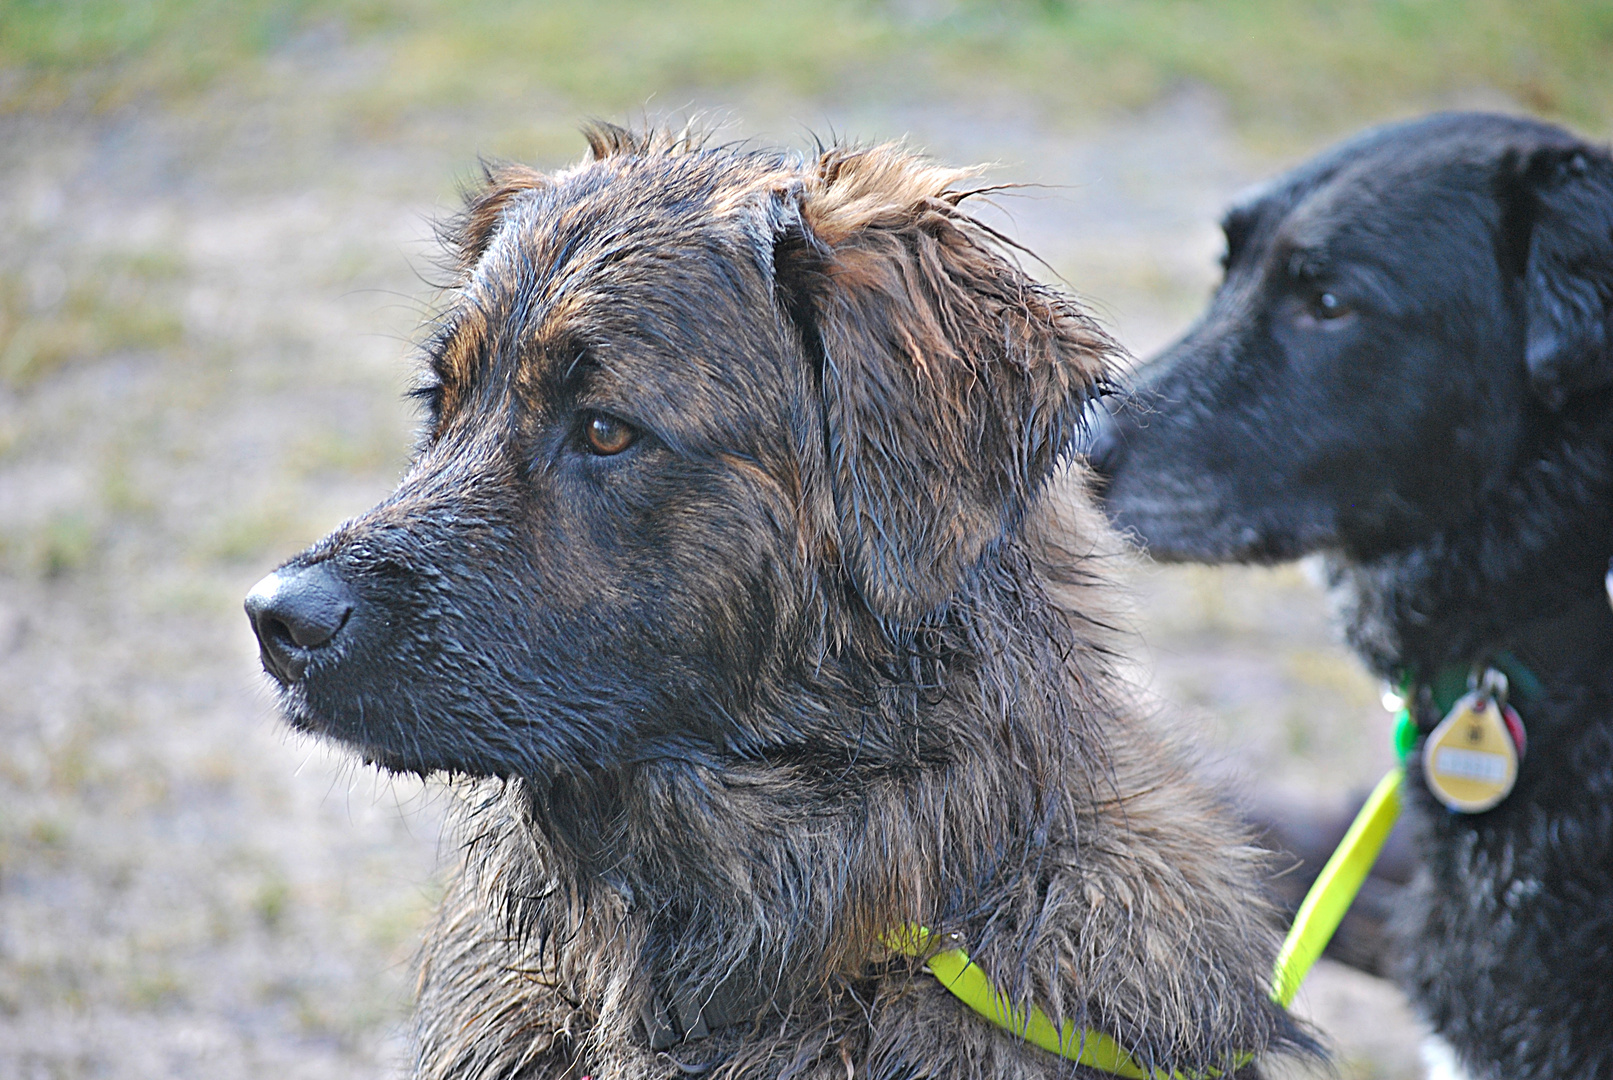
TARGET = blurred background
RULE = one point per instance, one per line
(215, 252)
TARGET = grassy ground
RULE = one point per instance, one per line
(1288, 63)
(215, 216)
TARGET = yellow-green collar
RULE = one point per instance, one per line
(1318, 917)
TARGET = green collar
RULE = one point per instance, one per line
(1447, 685)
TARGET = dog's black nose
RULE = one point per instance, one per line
(295, 611)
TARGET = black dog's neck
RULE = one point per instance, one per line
(1561, 649)
(1523, 574)
(1560, 633)
(1576, 642)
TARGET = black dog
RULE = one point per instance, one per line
(732, 550)
(1407, 368)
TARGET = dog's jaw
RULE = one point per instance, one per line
(1196, 529)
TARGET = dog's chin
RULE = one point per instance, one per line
(386, 742)
(297, 714)
(1178, 517)
(397, 764)
(1181, 536)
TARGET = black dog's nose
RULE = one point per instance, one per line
(295, 611)
(1102, 445)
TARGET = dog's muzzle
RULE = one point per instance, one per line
(296, 611)
(1100, 442)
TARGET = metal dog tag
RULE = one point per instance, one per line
(1470, 761)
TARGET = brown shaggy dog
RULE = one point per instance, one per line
(730, 555)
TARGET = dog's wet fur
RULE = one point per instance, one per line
(743, 560)
(1407, 369)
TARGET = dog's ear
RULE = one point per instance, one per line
(1563, 203)
(951, 382)
(467, 236)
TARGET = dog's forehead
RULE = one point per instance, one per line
(1380, 208)
(1436, 174)
(659, 268)
(640, 223)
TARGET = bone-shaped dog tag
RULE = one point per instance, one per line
(1470, 761)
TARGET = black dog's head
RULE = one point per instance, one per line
(702, 423)
(1398, 318)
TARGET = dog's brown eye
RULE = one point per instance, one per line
(607, 435)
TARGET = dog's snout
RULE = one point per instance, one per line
(294, 612)
(1102, 446)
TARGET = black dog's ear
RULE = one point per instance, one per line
(1563, 203)
(951, 382)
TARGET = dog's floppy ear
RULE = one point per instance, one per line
(1565, 201)
(468, 235)
(951, 382)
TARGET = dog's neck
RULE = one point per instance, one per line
(1524, 574)
(785, 876)
(721, 876)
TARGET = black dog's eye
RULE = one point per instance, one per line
(1325, 306)
(606, 435)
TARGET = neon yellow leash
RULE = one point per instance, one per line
(1329, 898)
(1335, 887)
